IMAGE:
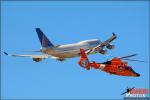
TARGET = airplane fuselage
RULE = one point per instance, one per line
(71, 50)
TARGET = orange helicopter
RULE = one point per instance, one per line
(114, 66)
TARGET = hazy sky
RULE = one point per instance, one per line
(69, 22)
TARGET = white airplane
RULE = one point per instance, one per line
(61, 52)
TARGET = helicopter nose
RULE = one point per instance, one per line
(137, 74)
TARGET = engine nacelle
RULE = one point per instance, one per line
(103, 52)
(37, 59)
(60, 59)
(110, 46)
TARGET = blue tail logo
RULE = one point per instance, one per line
(43, 39)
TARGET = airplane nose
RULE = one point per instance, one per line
(137, 74)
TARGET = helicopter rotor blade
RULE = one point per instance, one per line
(128, 56)
(135, 60)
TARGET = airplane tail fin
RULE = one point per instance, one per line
(83, 54)
(43, 39)
(83, 61)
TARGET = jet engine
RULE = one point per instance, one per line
(110, 46)
(103, 52)
(60, 59)
(37, 59)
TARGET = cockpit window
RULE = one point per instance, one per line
(132, 70)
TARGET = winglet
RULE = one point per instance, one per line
(114, 34)
(5, 53)
(113, 37)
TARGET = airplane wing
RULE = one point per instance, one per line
(102, 45)
(36, 58)
(28, 55)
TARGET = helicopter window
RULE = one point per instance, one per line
(127, 68)
(120, 67)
